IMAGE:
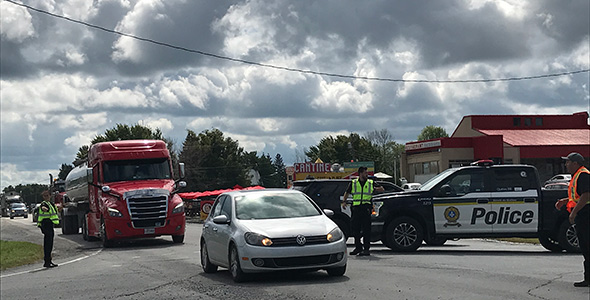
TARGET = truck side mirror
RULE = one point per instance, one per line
(181, 170)
(89, 175)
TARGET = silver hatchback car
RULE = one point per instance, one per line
(269, 230)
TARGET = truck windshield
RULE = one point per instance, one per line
(436, 179)
(138, 169)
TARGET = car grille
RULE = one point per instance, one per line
(301, 261)
(292, 241)
(148, 212)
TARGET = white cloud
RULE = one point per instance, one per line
(80, 139)
(340, 96)
(162, 123)
(15, 24)
(11, 174)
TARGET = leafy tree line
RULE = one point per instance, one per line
(31, 193)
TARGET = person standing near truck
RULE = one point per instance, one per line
(47, 219)
(578, 207)
(361, 190)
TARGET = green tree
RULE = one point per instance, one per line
(387, 150)
(31, 193)
(213, 161)
(432, 132)
(64, 170)
(342, 148)
(279, 166)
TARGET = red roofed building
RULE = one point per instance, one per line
(538, 140)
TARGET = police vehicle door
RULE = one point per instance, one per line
(457, 199)
(515, 200)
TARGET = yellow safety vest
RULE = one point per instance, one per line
(362, 194)
(572, 189)
(51, 214)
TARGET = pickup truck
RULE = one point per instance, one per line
(477, 201)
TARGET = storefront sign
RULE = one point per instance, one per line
(423, 145)
(312, 167)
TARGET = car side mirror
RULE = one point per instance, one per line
(328, 212)
(445, 190)
(221, 219)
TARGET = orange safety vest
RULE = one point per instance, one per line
(572, 189)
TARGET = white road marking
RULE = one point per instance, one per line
(61, 264)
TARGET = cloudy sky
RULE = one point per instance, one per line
(64, 82)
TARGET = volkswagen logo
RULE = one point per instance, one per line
(300, 240)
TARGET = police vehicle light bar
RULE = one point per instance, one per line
(482, 163)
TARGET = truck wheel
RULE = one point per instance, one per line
(436, 241)
(567, 237)
(208, 267)
(178, 239)
(103, 235)
(548, 242)
(84, 230)
(69, 225)
(404, 234)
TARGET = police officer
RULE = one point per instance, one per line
(361, 190)
(47, 219)
(577, 204)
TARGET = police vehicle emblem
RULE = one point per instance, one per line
(452, 215)
(300, 239)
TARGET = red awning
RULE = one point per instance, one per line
(195, 195)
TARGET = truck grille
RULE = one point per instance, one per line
(148, 212)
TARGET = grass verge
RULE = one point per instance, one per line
(14, 254)
(521, 240)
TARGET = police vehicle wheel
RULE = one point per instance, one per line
(234, 265)
(208, 267)
(567, 237)
(437, 241)
(404, 234)
(549, 243)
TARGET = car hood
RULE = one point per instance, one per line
(122, 187)
(290, 227)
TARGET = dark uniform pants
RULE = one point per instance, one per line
(583, 231)
(48, 233)
(361, 221)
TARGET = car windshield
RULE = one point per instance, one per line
(258, 206)
(139, 169)
(17, 205)
(436, 179)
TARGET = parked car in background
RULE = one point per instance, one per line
(35, 212)
(270, 230)
(559, 178)
(411, 186)
(18, 210)
(556, 186)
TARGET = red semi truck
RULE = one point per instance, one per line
(125, 190)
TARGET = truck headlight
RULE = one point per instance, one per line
(179, 208)
(376, 208)
(334, 235)
(115, 213)
(257, 239)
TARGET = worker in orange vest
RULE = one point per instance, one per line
(577, 205)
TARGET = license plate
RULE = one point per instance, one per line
(149, 231)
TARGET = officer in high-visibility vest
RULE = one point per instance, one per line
(361, 190)
(47, 219)
(577, 204)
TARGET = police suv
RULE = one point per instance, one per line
(477, 201)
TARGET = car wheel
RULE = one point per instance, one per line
(404, 234)
(208, 267)
(436, 241)
(178, 239)
(26, 216)
(338, 271)
(548, 242)
(106, 242)
(234, 265)
(568, 238)
(12, 217)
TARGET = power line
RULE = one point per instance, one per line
(294, 69)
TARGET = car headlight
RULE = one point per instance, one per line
(256, 239)
(334, 235)
(115, 213)
(376, 208)
(178, 208)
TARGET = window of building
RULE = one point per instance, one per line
(539, 121)
(527, 121)
(516, 121)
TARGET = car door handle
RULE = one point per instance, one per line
(530, 200)
(482, 201)
(206, 226)
(215, 229)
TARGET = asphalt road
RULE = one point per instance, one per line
(160, 269)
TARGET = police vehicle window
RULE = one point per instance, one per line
(511, 179)
(466, 182)
(226, 208)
